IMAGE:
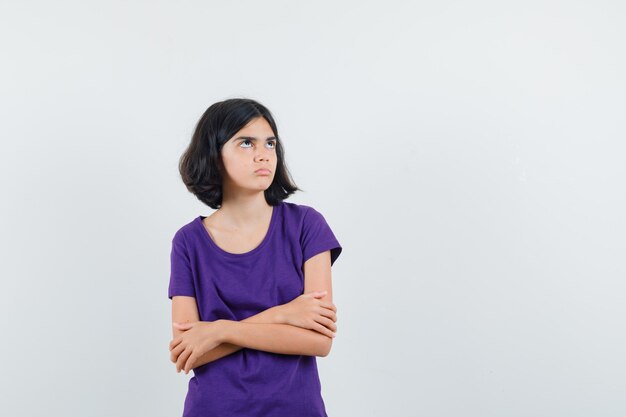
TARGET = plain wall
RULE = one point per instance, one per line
(469, 157)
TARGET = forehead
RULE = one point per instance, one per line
(258, 126)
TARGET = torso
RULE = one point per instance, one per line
(235, 241)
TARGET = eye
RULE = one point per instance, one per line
(273, 142)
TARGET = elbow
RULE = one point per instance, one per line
(325, 346)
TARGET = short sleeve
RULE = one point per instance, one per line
(181, 277)
(317, 237)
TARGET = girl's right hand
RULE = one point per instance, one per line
(308, 312)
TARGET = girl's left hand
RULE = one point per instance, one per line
(199, 337)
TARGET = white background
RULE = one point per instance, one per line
(469, 157)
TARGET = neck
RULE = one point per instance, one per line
(244, 211)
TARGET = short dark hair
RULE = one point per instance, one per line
(201, 164)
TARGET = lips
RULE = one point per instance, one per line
(263, 171)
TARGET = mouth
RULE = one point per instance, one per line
(262, 171)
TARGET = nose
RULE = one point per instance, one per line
(262, 154)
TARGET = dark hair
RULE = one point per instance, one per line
(201, 164)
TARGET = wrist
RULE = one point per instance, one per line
(277, 315)
(225, 330)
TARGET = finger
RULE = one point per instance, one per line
(320, 294)
(189, 363)
(328, 305)
(328, 313)
(182, 326)
(328, 323)
(175, 342)
(176, 351)
(324, 330)
(180, 363)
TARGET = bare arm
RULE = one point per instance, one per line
(270, 315)
(266, 331)
(276, 338)
(283, 338)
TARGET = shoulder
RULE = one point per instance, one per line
(181, 234)
(314, 232)
(299, 212)
(307, 220)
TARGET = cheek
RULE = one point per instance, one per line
(232, 159)
(237, 166)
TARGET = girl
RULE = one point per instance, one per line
(251, 283)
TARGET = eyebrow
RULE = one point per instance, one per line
(254, 139)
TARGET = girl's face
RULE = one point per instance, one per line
(251, 148)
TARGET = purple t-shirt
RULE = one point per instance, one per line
(232, 286)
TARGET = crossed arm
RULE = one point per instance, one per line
(263, 331)
(266, 330)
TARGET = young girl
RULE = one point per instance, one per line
(251, 283)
